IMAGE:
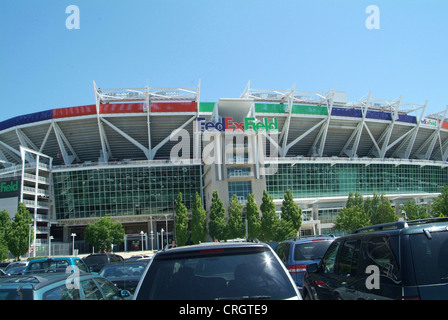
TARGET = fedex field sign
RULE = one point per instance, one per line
(227, 124)
(222, 141)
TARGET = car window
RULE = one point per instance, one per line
(312, 250)
(62, 293)
(283, 251)
(110, 291)
(346, 258)
(430, 257)
(329, 260)
(380, 253)
(91, 291)
(81, 265)
(217, 276)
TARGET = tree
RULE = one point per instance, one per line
(383, 213)
(4, 225)
(354, 200)
(350, 219)
(283, 229)
(414, 211)
(291, 211)
(269, 217)
(198, 221)
(439, 206)
(253, 217)
(217, 225)
(104, 233)
(181, 221)
(18, 235)
(235, 225)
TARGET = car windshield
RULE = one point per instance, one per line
(430, 257)
(218, 274)
(123, 270)
(312, 250)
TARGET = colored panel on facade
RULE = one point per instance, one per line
(121, 108)
(270, 108)
(379, 115)
(346, 112)
(206, 106)
(445, 125)
(74, 111)
(303, 109)
(25, 119)
(406, 118)
(174, 106)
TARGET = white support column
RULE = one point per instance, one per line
(330, 100)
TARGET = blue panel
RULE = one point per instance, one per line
(25, 119)
(346, 112)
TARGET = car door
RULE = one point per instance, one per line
(324, 280)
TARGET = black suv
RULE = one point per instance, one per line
(97, 261)
(217, 271)
(402, 260)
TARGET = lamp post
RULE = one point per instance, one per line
(49, 245)
(161, 233)
(152, 240)
(73, 235)
(29, 240)
(141, 234)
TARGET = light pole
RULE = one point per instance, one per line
(29, 240)
(161, 233)
(73, 235)
(152, 240)
(49, 245)
(141, 233)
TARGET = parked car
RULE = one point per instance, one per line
(19, 269)
(56, 264)
(97, 261)
(402, 260)
(297, 253)
(15, 264)
(58, 286)
(124, 275)
(213, 271)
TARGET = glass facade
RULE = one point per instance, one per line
(325, 180)
(123, 191)
(240, 188)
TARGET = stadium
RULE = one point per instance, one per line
(130, 153)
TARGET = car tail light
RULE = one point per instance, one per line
(319, 283)
(319, 239)
(296, 268)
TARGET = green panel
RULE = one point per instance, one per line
(206, 106)
(270, 108)
(302, 109)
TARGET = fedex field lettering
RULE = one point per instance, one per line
(227, 124)
(9, 186)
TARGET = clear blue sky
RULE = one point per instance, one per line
(317, 44)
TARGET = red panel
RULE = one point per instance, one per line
(445, 125)
(121, 108)
(74, 111)
(174, 106)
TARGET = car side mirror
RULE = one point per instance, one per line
(312, 267)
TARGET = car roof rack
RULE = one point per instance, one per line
(312, 236)
(399, 224)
